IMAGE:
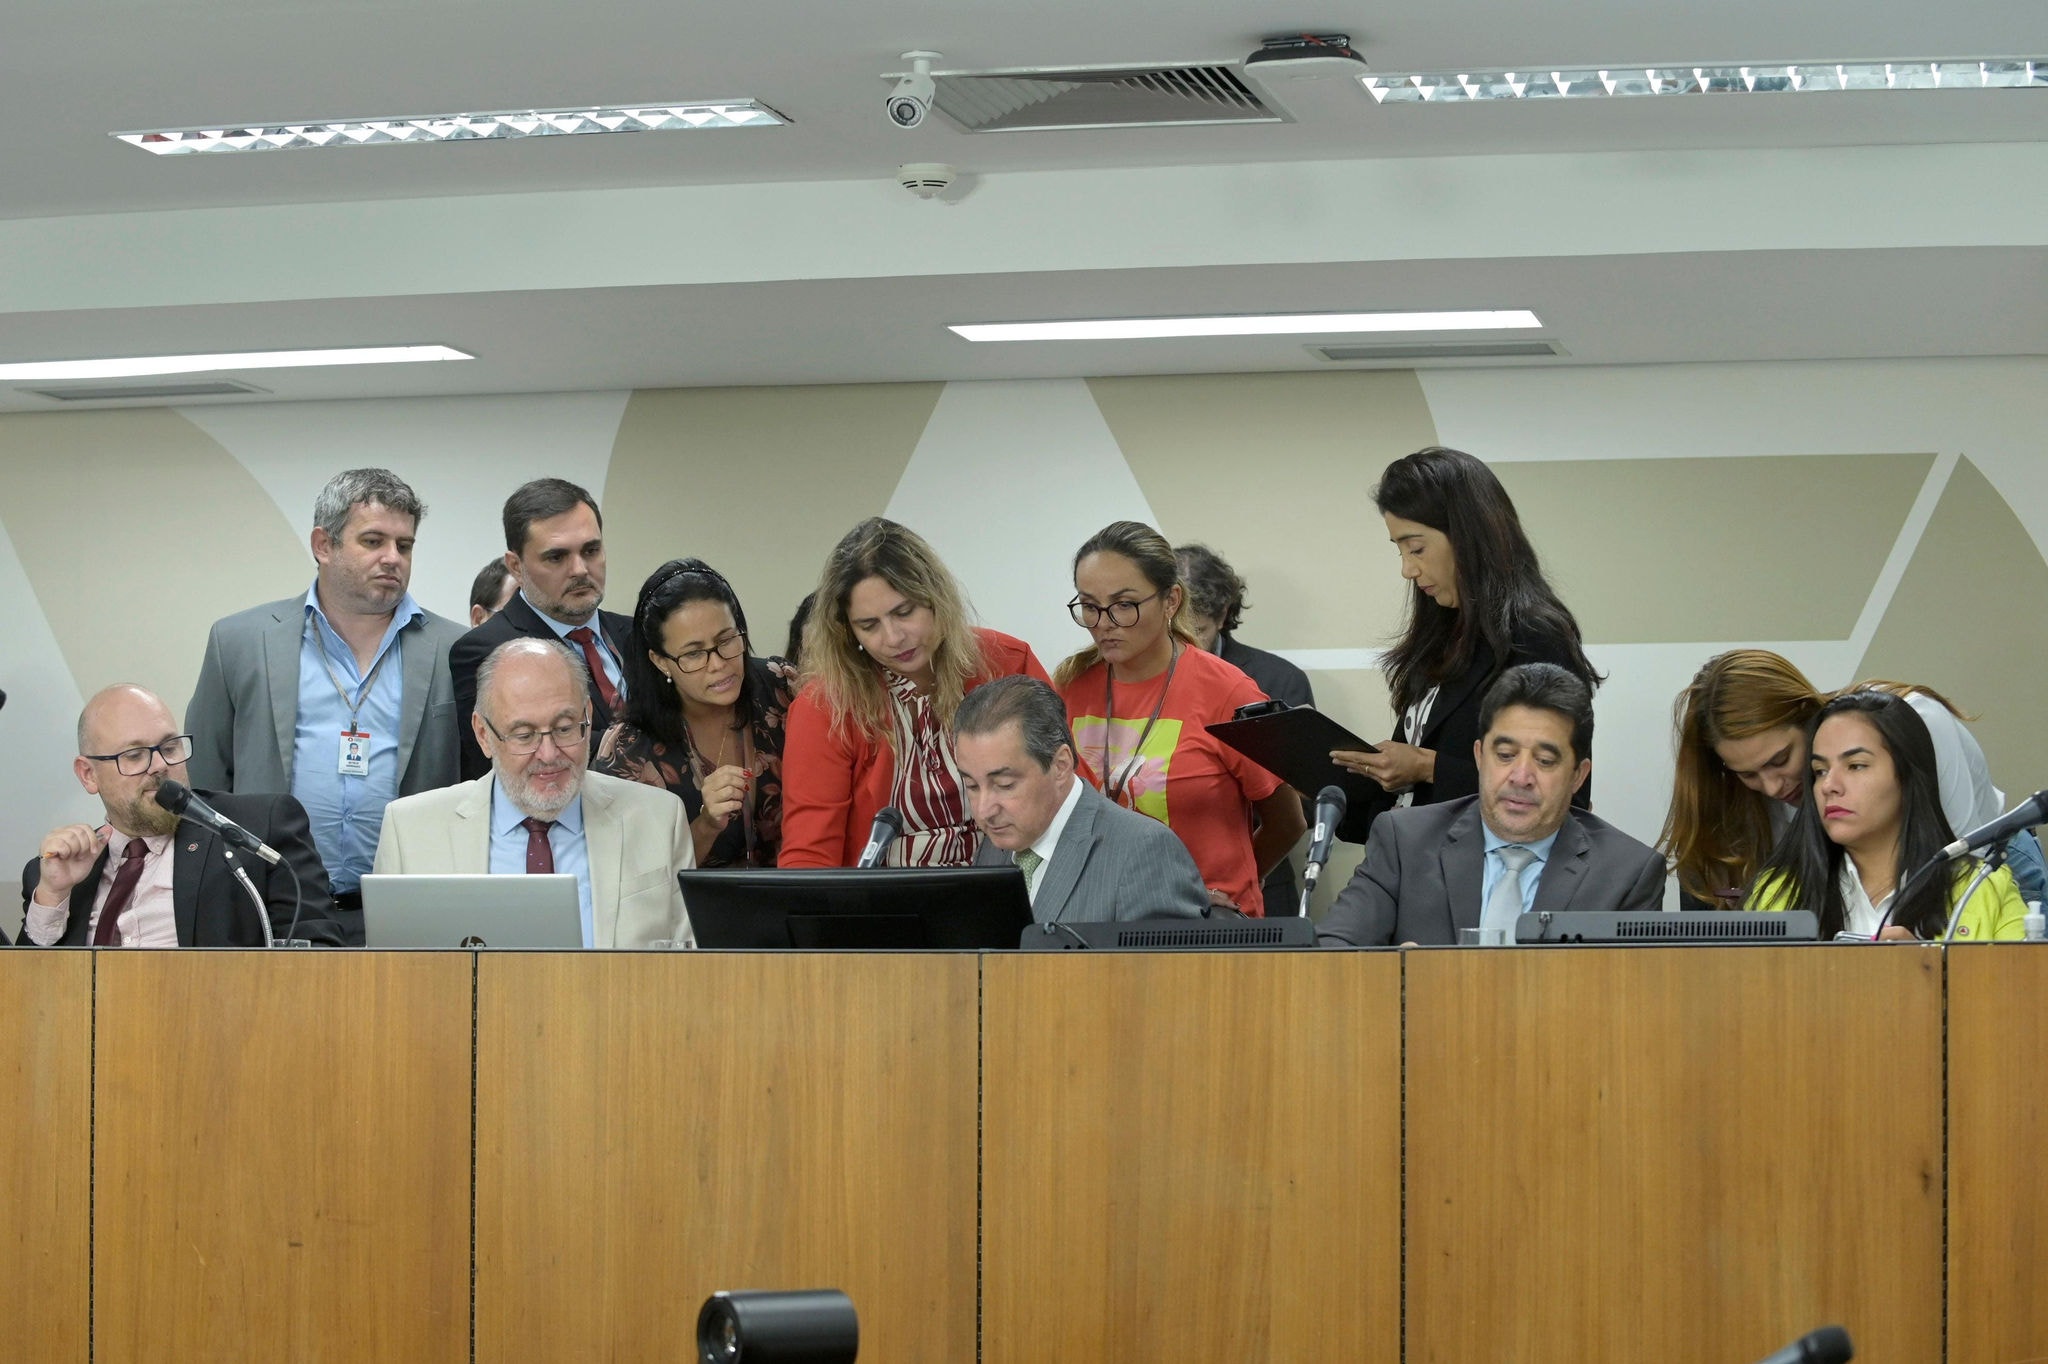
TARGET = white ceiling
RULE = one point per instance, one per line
(786, 255)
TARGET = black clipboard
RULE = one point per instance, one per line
(1294, 744)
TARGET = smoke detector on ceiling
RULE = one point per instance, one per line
(926, 179)
(1304, 56)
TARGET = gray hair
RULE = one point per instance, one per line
(1040, 715)
(487, 670)
(352, 488)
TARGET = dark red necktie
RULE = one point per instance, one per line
(540, 858)
(585, 640)
(106, 934)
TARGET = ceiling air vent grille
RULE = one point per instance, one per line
(1437, 350)
(1037, 99)
(98, 393)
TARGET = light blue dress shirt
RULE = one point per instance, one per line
(1496, 868)
(565, 841)
(614, 667)
(347, 812)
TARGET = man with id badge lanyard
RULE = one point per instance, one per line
(340, 696)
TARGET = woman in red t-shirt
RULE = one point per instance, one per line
(887, 655)
(1141, 698)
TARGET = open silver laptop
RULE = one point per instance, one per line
(471, 911)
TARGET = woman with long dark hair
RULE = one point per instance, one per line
(704, 717)
(1871, 817)
(1739, 731)
(1141, 697)
(1480, 606)
(889, 652)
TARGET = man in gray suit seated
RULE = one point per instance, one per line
(340, 696)
(1084, 857)
(1431, 870)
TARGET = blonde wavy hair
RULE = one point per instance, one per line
(853, 685)
(1155, 559)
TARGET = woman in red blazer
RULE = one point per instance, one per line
(887, 656)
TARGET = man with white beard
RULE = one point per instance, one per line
(539, 810)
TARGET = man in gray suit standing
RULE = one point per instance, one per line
(1084, 857)
(340, 696)
(1431, 870)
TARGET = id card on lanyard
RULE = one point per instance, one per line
(353, 754)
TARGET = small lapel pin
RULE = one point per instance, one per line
(191, 847)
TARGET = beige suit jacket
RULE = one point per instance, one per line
(637, 835)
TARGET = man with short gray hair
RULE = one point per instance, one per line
(538, 810)
(1084, 858)
(340, 696)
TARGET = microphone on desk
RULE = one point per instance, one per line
(1828, 1345)
(1331, 802)
(176, 797)
(888, 824)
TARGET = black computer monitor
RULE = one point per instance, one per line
(957, 908)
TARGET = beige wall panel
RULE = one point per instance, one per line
(138, 531)
(1271, 471)
(1778, 547)
(46, 1127)
(1968, 620)
(758, 482)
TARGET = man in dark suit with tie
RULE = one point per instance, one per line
(1085, 858)
(1479, 862)
(146, 880)
(554, 546)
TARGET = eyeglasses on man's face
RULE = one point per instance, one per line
(1122, 614)
(134, 762)
(522, 740)
(697, 660)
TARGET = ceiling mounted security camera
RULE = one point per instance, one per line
(911, 100)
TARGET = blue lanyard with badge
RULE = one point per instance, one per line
(353, 754)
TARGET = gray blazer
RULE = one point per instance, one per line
(1423, 869)
(1111, 864)
(245, 710)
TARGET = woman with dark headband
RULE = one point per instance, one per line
(1869, 819)
(704, 717)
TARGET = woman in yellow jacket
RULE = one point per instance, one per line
(1872, 814)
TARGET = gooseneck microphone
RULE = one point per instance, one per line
(888, 824)
(1331, 802)
(1828, 1345)
(177, 797)
(2029, 812)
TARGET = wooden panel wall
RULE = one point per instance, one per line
(1998, 1135)
(283, 1155)
(654, 1127)
(1191, 1157)
(46, 1131)
(1695, 1153)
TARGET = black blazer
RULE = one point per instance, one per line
(212, 909)
(1453, 728)
(518, 620)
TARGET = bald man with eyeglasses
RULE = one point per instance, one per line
(146, 879)
(540, 810)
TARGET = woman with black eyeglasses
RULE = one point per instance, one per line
(704, 717)
(1141, 697)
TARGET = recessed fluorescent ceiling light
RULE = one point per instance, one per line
(1446, 87)
(135, 365)
(1274, 324)
(637, 118)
